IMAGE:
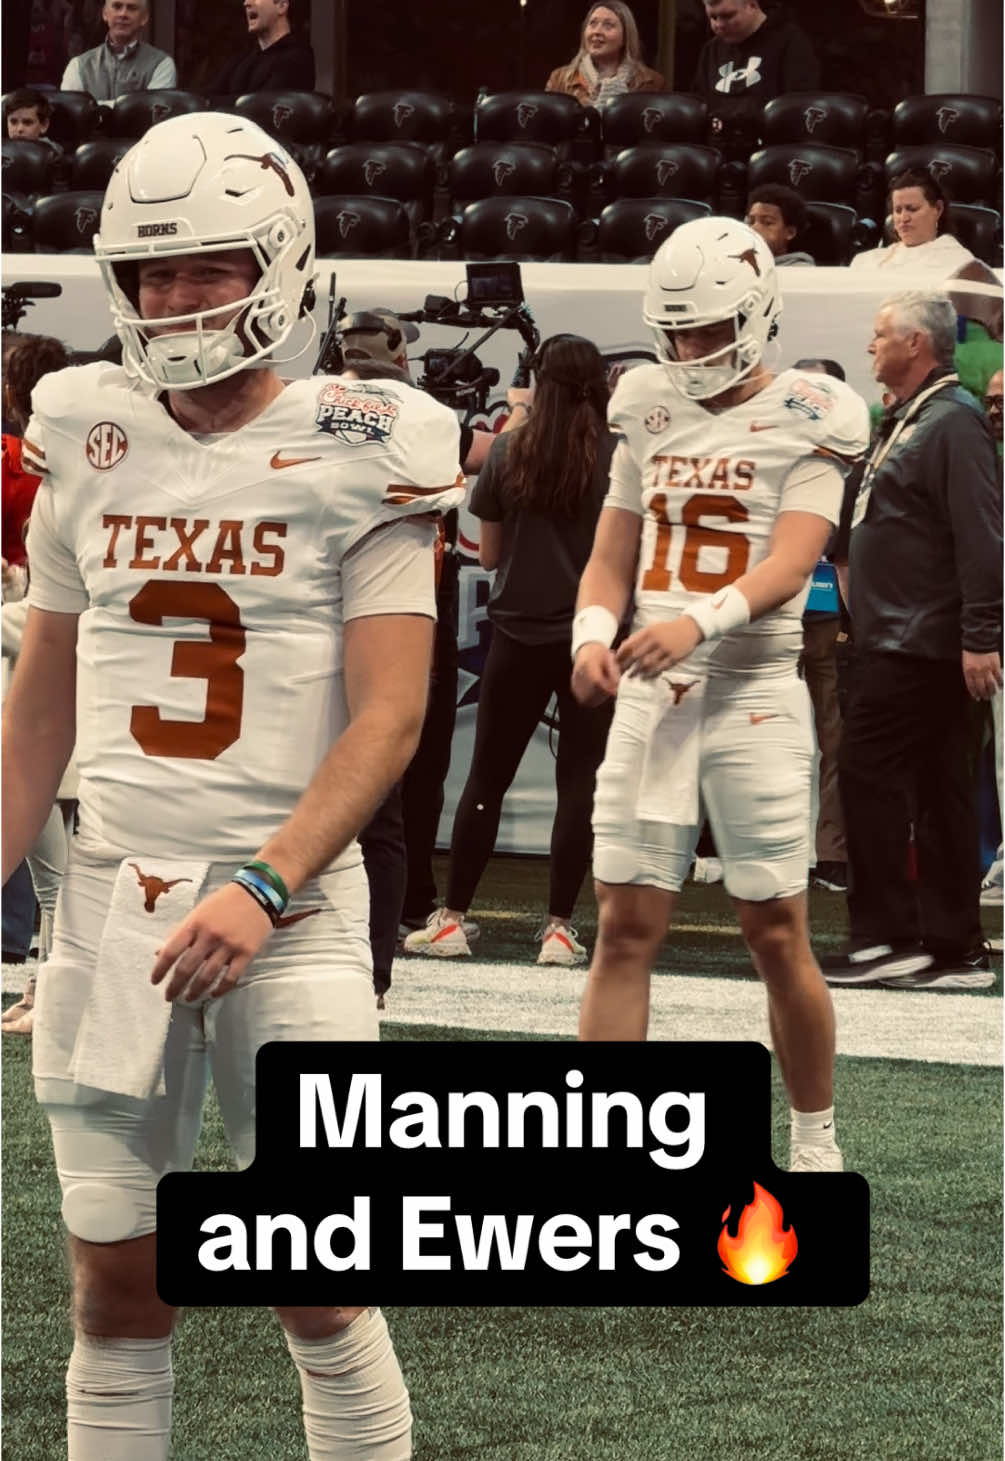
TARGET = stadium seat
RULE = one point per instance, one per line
(487, 169)
(17, 236)
(964, 121)
(65, 223)
(94, 162)
(300, 120)
(814, 170)
(965, 174)
(28, 167)
(403, 171)
(136, 111)
(540, 116)
(409, 116)
(630, 230)
(979, 230)
(833, 233)
(361, 227)
(652, 117)
(660, 170)
(539, 229)
(837, 118)
(76, 117)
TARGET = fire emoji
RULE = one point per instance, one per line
(764, 1247)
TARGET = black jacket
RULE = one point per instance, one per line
(924, 563)
(777, 58)
(286, 65)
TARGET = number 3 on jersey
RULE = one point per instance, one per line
(213, 660)
(657, 576)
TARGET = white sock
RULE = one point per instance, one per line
(118, 1399)
(355, 1402)
(814, 1128)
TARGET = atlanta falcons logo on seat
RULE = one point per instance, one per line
(153, 886)
(85, 219)
(515, 223)
(159, 111)
(651, 118)
(665, 170)
(940, 168)
(654, 224)
(372, 170)
(526, 112)
(402, 111)
(812, 116)
(798, 169)
(345, 222)
(280, 114)
(501, 170)
(945, 117)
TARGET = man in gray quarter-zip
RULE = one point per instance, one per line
(123, 62)
(925, 595)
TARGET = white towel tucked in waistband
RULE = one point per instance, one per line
(120, 1043)
(668, 788)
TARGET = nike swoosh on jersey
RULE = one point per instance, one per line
(756, 719)
(285, 919)
(278, 461)
(763, 425)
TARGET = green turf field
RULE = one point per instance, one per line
(914, 1374)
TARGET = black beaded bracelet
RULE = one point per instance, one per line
(258, 896)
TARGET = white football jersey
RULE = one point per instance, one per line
(213, 579)
(709, 487)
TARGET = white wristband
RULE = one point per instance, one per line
(720, 613)
(593, 625)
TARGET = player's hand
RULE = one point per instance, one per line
(209, 950)
(656, 648)
(982, 673)
(595, 674)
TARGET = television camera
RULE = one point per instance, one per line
(18, 298)
(455, 376)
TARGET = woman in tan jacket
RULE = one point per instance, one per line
(609, 60)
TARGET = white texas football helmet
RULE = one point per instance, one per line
(198, 184)
(707, 271)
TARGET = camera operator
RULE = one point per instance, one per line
(375, 344)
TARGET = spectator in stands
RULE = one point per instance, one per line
(27, 114)
(751, 58)
(920, 213)
(609, 60)
(281, 60)
(925, 586)
(538, 501)
(123, 62)
(778, 214)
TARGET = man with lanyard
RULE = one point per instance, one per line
(925, 595)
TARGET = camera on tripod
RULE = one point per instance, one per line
(17, 299)
(455, 375)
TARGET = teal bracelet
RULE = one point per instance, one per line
(269, 873)
(243, 881)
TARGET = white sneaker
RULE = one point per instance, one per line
(442, 936)
(816, 1159)
(559, 945)
(707, 870)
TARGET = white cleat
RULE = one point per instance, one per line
(816, 1159)
(443, 937)
(559, 945)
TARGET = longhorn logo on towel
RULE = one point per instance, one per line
(153, 886)
(680, 689)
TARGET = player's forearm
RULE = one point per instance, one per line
(349, 785)
(771, 584)
(603, 583)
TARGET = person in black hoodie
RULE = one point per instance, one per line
(281, 60)
(751, 58)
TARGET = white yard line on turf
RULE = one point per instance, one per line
(961, 1029)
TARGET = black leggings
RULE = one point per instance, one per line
(516, 685)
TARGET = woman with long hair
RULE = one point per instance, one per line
(609, 59)
(539, 496)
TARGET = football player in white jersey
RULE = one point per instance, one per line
(724, 489)
(237, 574)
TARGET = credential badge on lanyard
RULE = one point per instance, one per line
(885, 445)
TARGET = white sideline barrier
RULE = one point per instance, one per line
(827, 312)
